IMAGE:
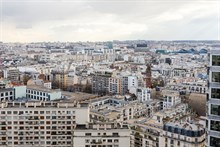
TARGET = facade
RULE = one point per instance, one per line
(114, 85)
(100, 82)
(7, 94)
(118, 85)
(170, 99)
(42, 94)
(11, 74)
(184, 135)
(132, 81)
(143, 94)
(42, 124)
(177, 132)
(213, 100)
(102, 135)
(30, 92)
(60, 79)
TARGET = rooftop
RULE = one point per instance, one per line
(41, 104)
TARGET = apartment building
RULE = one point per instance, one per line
(184, 134)
(165, 130)
(170, 98)
(100, 82)
(115, 85)
(11, 74)
(42, 124)
(118, 85)
(59, 79)
(112, 109)
(41, 93)
(102, 135)
(7, 94)
(143, 94)
(213, 99)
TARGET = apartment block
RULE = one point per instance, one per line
(43, 124)
(184, 134)
(11, 74)
(100, 82)
(102, 135)
(7, 94)
(170, 98)
(41, 93)
(143, 94)
(213, 100)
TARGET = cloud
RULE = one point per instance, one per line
(65, 20)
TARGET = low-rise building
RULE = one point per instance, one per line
(102, 134)
(7, 94)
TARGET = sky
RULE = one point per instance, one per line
(106, 20)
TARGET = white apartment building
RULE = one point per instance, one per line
(112, 109)
(40, 124)
(7, 94)
(42, 94)
(143, 94)
(132, 81)
(30, 92)
(102, 135)
(170, 98)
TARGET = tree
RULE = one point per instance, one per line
(26, 78)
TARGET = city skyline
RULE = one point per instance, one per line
(64, 20)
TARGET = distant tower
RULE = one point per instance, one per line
(148, 76)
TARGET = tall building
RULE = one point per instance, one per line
(42, 124)
(213, 100)
(11, 74)
(59, 79)
(100, 82)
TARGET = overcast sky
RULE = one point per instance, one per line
(100, 20)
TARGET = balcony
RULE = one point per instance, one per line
(96, 142)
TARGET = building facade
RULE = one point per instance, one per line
(100, 82)
(102, 135)
(213, 100)
(7, 94)
(42, 124)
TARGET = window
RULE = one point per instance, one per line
(214, 141)
(215, 109)
(215, 93)
(216, 60)
(215, 125)
(88, 134)
(114, 134)
(215, 76)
